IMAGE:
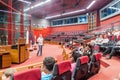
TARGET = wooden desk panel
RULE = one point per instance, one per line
(18, 52)
(14, 55)
(22, 50)
(5, 59)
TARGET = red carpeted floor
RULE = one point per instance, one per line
(109, 68)
(48, 50)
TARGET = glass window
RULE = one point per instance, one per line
(70, 20)
(82, 19)
(66, 21)
(111, 9)
(53, 22)
(105, 12)
(1, 19)
(75, 20)
(58, 22)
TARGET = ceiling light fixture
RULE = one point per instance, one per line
(36, 5)
(28, 2)
(90, 4)
(74, 12)
(50, 17)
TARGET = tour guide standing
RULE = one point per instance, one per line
(40, 45)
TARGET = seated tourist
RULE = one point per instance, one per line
(118, 37)
(8, 73)
(111, 49)
(98, 39)
(47, 68)
(94, 48)
(79, 49)
(103, 44)
(87, 50)
(105, 39)
(69, 44)
(73, 58)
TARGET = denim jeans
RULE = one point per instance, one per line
(39, 50)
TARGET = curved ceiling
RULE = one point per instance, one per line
(55, 7)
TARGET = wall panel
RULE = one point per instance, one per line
(110, 20)
(70, 28)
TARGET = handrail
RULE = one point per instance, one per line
(107, 25)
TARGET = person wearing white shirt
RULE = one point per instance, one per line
(105, 39)
(98, 39)
(40, 45)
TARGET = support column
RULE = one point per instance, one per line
(98, 19)
(22, 21)
(29, 28)
(10, 23)
(30, 24)
(14, 30)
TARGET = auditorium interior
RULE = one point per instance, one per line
(86, 27)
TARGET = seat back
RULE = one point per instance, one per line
(96, 47)
(95, 63)
(81, 69)
(61, 71)
(31, 74)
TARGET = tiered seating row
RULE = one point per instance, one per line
(62, 70)
(24, 68)
(68, 36)
(64, 54)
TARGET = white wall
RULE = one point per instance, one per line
(36, 22)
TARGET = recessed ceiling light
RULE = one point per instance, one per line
(28, 2)
(74, 12)
(37, 5)
(49, 17)
(91, 4)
